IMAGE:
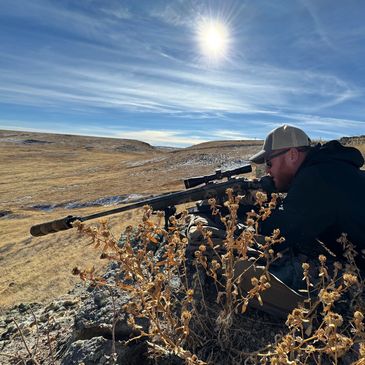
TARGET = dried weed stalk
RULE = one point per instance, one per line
(234, 249)
(153, 271)
(329, 326)
(156, 283)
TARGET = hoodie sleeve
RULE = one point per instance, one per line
(307, 211)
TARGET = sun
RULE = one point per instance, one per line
(213, 38)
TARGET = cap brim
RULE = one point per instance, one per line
(259, 157)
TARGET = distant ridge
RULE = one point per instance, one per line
(226, 144)
(355, 140)
(129, 145)
(75, 141)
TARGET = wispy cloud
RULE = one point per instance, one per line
(137, 63)
(173, 13)
(318, 25)
(146, 85)
(119, 12)
(163, 137)
(229, 134)
(336, 123)
(154, 89)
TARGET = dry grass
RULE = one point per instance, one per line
(72, 168)
(55, 169)
(36, 269)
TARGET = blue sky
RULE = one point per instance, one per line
(141, 69)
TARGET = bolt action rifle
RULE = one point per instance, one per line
(167, 202)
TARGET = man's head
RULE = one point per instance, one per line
(284, 150)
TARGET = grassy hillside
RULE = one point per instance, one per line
(44, 174)
(45, 171)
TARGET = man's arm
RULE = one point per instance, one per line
(306, 212)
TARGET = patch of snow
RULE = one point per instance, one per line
(101, 202)
(144, 162)
(44, 207)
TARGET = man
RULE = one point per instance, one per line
(325, 196)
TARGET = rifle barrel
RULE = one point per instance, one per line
(240, 185)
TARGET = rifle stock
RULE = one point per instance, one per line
(163, 202)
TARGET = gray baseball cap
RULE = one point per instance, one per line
(286, 136)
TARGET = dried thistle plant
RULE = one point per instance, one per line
(318, 333)
(235, 249)
(157, 286)
(159, 290)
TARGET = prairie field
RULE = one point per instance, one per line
(47, 177)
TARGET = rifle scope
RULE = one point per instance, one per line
(218, 175)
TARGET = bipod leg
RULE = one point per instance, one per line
(169, 211)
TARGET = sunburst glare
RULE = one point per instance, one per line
(213, 37)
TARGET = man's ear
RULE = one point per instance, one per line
(293, 155)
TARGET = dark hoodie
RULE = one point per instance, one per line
(326, 198)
